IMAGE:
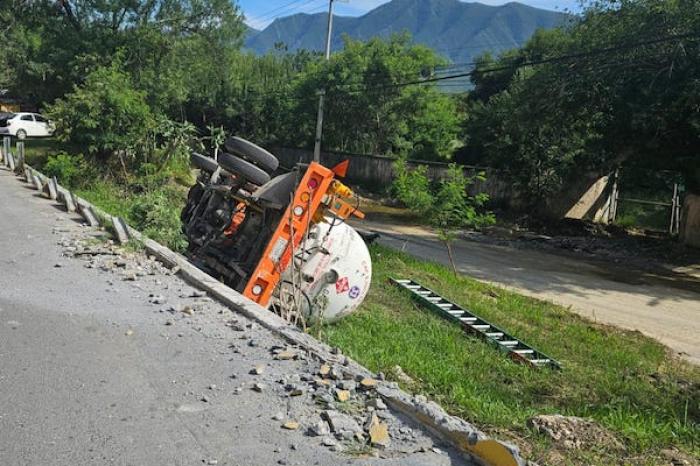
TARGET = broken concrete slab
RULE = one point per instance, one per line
(120, 230)
(340, 422)
(85, 209)
(37, 182)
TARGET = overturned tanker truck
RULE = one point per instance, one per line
(282, 241)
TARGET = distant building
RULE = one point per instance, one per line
(8, 103)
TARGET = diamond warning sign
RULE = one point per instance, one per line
(341, 286)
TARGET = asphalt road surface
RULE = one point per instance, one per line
(101, 365)
(664, 305)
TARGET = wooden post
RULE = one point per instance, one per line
(614, 196)
(672, 225)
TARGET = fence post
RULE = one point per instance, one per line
(673, 228)
(612, 210)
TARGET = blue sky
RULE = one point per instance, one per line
(260, 13)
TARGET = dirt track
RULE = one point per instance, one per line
(664, 304)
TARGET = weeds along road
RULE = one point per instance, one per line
(110, 359)
(663, 305)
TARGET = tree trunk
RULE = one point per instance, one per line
(452, 259)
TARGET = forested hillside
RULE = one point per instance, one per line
(456, 30)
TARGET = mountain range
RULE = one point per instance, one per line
(457, 30)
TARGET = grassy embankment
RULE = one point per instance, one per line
(627, 382)
(150, 203)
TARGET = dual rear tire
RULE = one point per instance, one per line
(251, 162)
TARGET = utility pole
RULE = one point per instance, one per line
(322, 93)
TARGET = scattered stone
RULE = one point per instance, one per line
(298, 391)
(342, 395)
(321, 383)
(129, 332)
(168, 322)
(286, 355)
(368, 384)
(324, 370)
(336, 373)
(348, 385)
(238, 391)
(257, 370)
(278, 417)
(212, 462)
(253, 343)
(205, 398)
(290, 425)
(187, 310)
(400, 376)
(259, 387)
(319, 429)
(329, 442)
(377, 403)
(572, 432)
(340, 422)
(212, 387)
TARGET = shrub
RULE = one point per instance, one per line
(158, 217)
(70, 170)
(412, 187)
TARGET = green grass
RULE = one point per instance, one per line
(155, 213)
(624, 380)
(36, 151)
(151, 204)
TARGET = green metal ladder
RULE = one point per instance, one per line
(472, 323)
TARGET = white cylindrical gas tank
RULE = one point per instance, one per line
(336, 271)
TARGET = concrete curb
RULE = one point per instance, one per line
(460, 434)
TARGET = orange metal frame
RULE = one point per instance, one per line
(308, 199)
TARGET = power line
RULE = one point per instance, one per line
(537, 62)
(284, 10)
(558, 59)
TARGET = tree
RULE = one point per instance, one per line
(447, 207)
(364, 85)
(619, 86)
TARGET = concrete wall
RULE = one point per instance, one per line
(690, 220)
(594, 204)
(376, 172)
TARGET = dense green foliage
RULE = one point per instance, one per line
(119, 76)
(384, 118)
(620, 86)
(445, 204)
(624, 380)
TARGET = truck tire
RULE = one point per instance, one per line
(203, 162)
(252, 153)
(243, 168)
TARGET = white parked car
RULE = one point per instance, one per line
(23, 124)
